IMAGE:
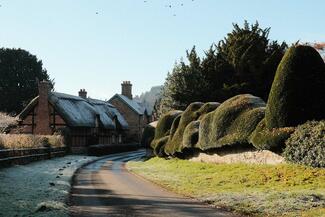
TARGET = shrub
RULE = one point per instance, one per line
(192, 113)
(207, 108)
(175, 125)
(231, 123)
(297, 92)
(148, 135)
(19, 141)
(270, 139)
(163, 128)
(65, 133)
(6, 121)
(176, 136)
(160, 146)
(307, 144)
(105, 149)
(191, 135)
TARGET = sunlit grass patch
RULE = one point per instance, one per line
(258, 190)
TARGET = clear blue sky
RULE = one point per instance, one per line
(136, 40)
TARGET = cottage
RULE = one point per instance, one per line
(136, 115)
(88, 121)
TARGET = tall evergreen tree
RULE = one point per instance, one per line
(245, 61)
(182, 84)
(253, 56)
(19, 73)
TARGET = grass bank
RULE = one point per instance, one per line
(38, 189)
(254, 190)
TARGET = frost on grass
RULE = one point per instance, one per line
(38, 189)
(273, 203)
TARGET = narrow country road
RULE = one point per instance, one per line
(106, 188)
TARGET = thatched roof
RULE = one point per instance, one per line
(79, 112)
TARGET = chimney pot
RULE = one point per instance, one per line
(127, 89)
(83, 93)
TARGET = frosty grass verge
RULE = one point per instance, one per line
(40, 188)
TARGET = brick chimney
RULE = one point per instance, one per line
(43, 114)
(127, 89)
(83, 93)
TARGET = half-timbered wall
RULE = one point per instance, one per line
(28, 124)
(81, 137)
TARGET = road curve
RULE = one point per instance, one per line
(106, 188)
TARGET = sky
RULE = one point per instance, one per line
(97, 44)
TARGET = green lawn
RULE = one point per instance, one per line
(254, 190)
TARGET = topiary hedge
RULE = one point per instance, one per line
(207, 108)
(163, 128)
(175, 140)
(307, 144)
(192, 113)
(159, 146)
(148, 135)
(231, 123)
(270, 139)
(298, 89)
(191, 135)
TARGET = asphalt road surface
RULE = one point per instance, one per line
(106, 188)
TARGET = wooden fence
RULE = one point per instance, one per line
(10, 157)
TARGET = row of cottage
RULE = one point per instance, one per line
(88, 121)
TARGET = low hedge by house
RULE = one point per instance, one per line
(100, 150)
(20, 141)
(6, 121)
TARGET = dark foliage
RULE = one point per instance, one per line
(273, 139)
(231, 123)
(163, 129)
(20, 72)
(244, 62)
(298, 90)
(147, 136)
(307, 145)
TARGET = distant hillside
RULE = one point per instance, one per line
(149, 98)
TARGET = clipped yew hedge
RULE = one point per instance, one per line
(273, 139)
(163, 130)
(297, 95)
(192, 113)
(298, 92)
(231, 123)
(191, 135)
(148, 135)
(176, 137)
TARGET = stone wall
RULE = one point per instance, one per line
(24, 156)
